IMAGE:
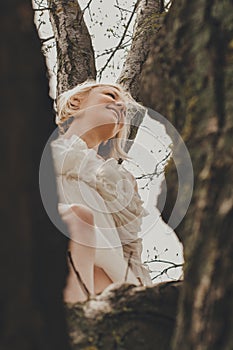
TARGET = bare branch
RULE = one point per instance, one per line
(40, 24)
(148, 22)
(156, 172)
(85, 8)
(38, 3)
(42, 9)
(47, 47)
(165, 271)
(108, 51)
(161, 261)
(122, 9)
(121, 40)
(167, 6)
(46, 39)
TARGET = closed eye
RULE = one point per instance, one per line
(111, 94)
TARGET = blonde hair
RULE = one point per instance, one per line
(65, 111)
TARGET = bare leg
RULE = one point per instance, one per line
(101, 280)
(80, 223)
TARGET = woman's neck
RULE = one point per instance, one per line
(89, 136)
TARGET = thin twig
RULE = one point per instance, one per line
(168, 5)
(83, 11)
(155, 172)
(82, 284)
(161, 261)
(121, 40)
(88, 4)
(128, 266)
(122, 9)
(46, 39)
(108, 51)
(166, 270)
(39, 3)
(43, 9)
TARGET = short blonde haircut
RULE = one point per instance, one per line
(65, 112)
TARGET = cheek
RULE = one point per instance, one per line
(107, 116)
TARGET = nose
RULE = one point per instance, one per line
(120, 104)
(122, 107)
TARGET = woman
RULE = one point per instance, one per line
(99, 200)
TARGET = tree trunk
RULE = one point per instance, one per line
(32, 251)
(188, 78)
(75, 55)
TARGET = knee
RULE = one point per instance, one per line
(83, 213)
(79, 220)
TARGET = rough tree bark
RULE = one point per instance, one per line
(147, 24)
(32, 251)
(75, 54)
(188, 78)
(126, 317)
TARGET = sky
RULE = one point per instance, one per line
(105, 25)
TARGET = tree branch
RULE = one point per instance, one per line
(83, 10)
(42, 9)
(120, 42)
(75, 54)
(165, 271)
(46, 39)
(121, 8)
(108, 51)
(147, 23)
(161, 261)
(155, 173)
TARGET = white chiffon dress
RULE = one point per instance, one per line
(109, 190)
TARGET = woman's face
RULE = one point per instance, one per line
(103, 110)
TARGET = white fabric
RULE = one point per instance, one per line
(109, 190)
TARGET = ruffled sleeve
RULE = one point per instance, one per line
(68, 154)
(117, 186)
